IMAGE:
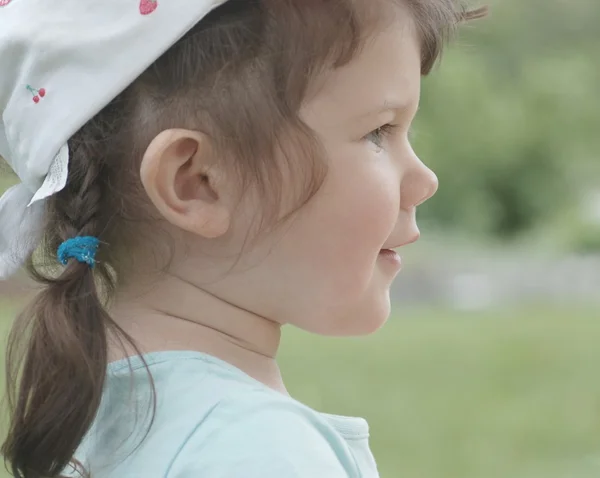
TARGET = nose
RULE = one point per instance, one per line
(419, 183)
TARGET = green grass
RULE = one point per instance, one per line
(501, 395)
(508, 394)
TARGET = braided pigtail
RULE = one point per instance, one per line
(63, 369)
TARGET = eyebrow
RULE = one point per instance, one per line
(388, 105)
(392, 105)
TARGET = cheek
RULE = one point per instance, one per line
(370, 194)
(371, 215)
(353, 217)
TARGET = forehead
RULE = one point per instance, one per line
(386, 71)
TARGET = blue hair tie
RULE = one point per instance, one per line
(82, 248)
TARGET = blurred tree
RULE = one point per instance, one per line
(511, 123)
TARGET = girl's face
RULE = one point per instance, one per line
(325, 271)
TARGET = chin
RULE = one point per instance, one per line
(370, 323)
(359, 321)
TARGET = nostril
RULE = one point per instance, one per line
(430, 192)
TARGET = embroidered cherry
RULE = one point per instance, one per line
(146, 6)
(37, 93)
(4, 2)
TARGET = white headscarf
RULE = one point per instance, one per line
(60, 64)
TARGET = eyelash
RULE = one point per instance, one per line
(378, 135)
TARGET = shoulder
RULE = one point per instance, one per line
(263, 434)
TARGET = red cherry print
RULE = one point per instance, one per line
(4, 2)
(36, 93)
(147, 6)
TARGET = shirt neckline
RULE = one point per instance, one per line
(353, 428)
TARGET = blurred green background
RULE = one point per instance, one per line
(488, 367)
(511, 123)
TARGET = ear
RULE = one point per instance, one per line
(185, 183)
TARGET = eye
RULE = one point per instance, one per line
(377, 136)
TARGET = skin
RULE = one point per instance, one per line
(323, 271)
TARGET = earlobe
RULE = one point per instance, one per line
(185, 183)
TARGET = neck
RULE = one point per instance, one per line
(175, 314)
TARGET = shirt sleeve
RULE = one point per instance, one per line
(280, 443)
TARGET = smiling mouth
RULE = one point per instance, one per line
(391, 257)
(387, 251)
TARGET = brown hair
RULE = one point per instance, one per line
(240, 76)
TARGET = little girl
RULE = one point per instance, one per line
(195, 174)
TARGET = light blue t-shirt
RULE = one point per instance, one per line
(214, 421)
